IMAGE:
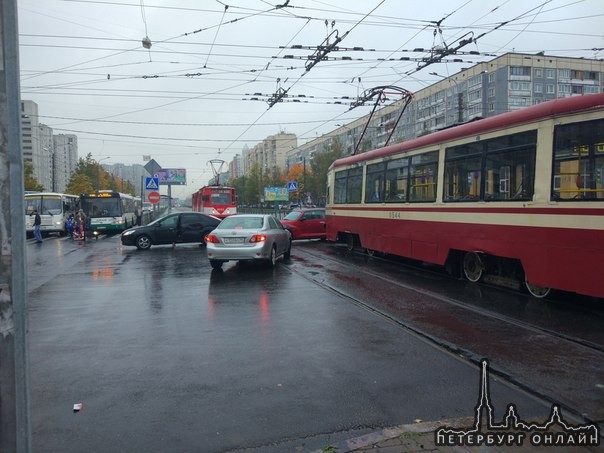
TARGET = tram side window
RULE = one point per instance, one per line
(510, 175)
(423, 173)
(397, 180)
(579, 161)
(374, 183)
(462, 179)
(339, 191)
(354, 185)
(502, 168)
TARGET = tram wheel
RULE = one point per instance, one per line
(350, 242)
(537, 291)
(370, 252)
(473, 267)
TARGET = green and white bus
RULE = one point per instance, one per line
(109, 212)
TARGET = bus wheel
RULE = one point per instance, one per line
(537, 291)
(473, 267)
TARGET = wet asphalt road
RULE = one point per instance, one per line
(167, 355)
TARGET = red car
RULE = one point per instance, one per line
(306, 223)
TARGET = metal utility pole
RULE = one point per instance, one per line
(15, 420)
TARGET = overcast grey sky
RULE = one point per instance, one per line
(188, 98)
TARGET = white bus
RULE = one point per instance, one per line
(54, 208)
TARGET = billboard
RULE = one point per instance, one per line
(174, 176)
(276, 194)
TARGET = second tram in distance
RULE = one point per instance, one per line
(520, 193)
(219, 201)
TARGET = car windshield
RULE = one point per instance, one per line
(242, 223)
(292, 215)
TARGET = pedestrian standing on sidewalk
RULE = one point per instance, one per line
(37, 223)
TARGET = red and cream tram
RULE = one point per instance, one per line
(219, 201)
(521, 193)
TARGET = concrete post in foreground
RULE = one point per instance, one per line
(15, 425)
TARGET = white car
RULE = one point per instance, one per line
(248, 237)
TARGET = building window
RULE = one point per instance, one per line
(550, 89)
(550, 73)
(564, 74)
(474, 95)
(564, 88)
(538, 87)
(520, 70)
(476, 80)
(538, 73)
(591, 90)
(519, 101)
(491, 92)
(491, 106)
(520, 86)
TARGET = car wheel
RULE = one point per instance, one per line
(288, 252)
(217, 265)
(143, 242)
(272, 261)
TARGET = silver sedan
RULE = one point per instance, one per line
(248, 237)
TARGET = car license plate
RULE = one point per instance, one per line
(233, 240)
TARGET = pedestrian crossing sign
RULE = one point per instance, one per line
(292, 186)
(152, 183)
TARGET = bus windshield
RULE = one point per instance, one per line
(47, 205)
(102, 207)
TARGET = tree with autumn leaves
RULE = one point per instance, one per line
(90, 175)
(311, 177)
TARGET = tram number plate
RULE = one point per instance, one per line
(395, 215)
(233, 240)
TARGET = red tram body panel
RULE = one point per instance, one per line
(219, 201)
(525, 186)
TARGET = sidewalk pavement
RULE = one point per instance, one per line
(419, 437)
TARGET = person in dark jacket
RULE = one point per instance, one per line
(37, 223)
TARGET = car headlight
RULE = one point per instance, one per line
(127, 232)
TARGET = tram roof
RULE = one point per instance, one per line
(537, 112)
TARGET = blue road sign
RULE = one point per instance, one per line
(151, 183)
(292, 186)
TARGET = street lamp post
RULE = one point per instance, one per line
(98, 181)
(53, 171)
(459, 96)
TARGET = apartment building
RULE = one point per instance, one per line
(509, 82)
(65, 159)
(53, 157)
(270, 153)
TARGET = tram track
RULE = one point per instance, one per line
(467, 306)
(552, 364)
